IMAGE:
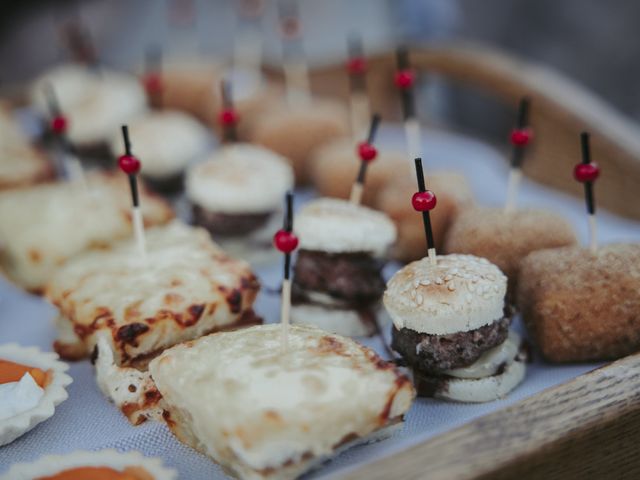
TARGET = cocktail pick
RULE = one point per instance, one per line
(228, 117)
(404, 80)
(521, 136)
(130, 165)
(296, 71)
(79, 41)
(358, 98)
(152, 78)
(587, 172)
(424, 201)
(367, 153)
(71, 166)
(248, 39)
(286, 241)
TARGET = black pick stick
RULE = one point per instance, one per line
(356, 65)
(424, 203)
(228, 115)
(521, 136)
(406, 90)
(366, 149)
(588, 185)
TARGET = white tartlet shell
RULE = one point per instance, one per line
(52, 464)
(54, 393)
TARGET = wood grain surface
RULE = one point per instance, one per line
(588, 428)
(561, 109)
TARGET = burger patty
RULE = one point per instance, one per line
(225, 224)
(436, 353)
(354, 278)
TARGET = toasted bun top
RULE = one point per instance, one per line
(96, 105)
(240, 178)
(164, 141)
(458, 294)
(334, 225)
(253, 406)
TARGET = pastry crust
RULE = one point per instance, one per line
(506, 238)
(54, 391)
(52, 464)
(186, 287)
(454, 195)
(274, 415)
(296, 132)
(43, 226)
(580, 306)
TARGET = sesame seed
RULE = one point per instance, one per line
(425, 282)
(420, 299)
(451, 286)
(438, 281)
(447, 278)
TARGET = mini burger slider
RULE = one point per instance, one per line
(337, 282)
(264, 413)
(452, 328)
(237, 196)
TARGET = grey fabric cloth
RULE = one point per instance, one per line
(88, 421)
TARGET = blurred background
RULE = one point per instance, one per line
(590, 41)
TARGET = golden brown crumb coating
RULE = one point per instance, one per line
(580, 306)
(335, 165)
(453, 194)
(297, 132)
(506, 238)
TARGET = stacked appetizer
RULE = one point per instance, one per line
(237, 194)
(167, 142)
(95, 103)
(451, 326)
(132, 307)
(41, 227)
(337, 282)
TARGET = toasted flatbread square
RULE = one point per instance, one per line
(43, 226)
(262, 413)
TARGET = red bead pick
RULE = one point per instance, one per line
(367, 152)
(228, 117)
(424, 201)
(285, 241)
(152, 83)
(356, 66)
(586, 172)
(404, 79)
(521, 136)
(129, 164)
(59, 124)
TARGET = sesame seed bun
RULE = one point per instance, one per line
(339, 226)
(335, 165)
(453, 193)
(458, 294)
(582, 306)
(296, 132)
(506, 238)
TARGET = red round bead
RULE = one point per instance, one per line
(367, 152)
(424, 201)
(521, 136)
(59, 124)
(228, 117)
(285, 241)
(356, 66)
(129, 164)
(586, 172)
(152, 83)
(404, 79)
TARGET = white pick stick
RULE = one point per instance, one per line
(297, 82)
(138, 230)
(285, 313)
(414, 137)
(513, 185)
(432, 256)
(356, 193)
